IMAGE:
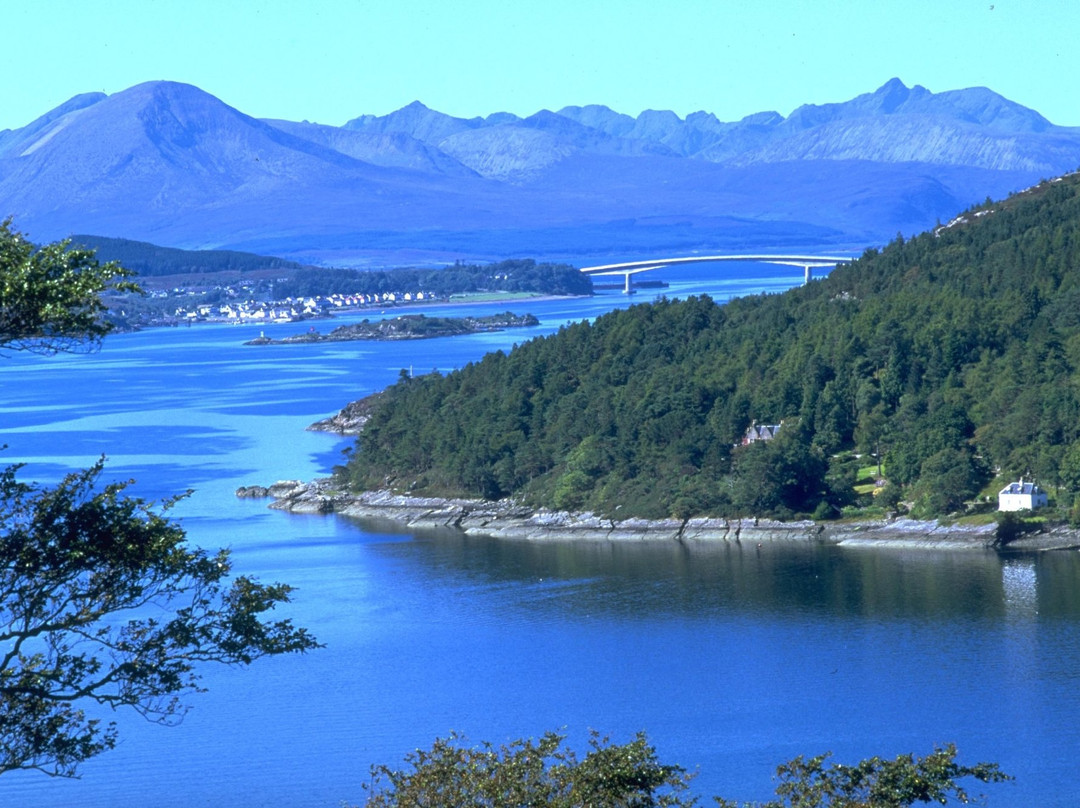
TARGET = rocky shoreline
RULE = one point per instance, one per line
(349, 420)
(406, 327)
(509, 520)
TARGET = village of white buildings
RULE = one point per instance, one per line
(291, 309)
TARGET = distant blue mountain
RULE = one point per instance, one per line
(169, 163)
(16, 142)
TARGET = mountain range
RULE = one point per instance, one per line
(169, 163)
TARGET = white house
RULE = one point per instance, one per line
(756, 432)
(1021, 496)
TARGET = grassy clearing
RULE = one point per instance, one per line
(488, 297)
(852, 513)
(866, 480)
(977, 519)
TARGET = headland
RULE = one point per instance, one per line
(508, 519)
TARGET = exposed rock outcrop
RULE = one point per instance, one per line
(253, 492)
(508, 519)
(351, 419)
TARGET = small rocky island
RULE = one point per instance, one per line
(407, 326)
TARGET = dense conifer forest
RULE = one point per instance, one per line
(950, 357)
(298, 280)
(512, 275)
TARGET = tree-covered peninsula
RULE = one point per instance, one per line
(407, 326)
(952, 357)
(512, 275)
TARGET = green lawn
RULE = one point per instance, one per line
(866, 479)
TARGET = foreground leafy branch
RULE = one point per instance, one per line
(546, 772)
(104, 605)
(526, 772)
(878, 783)
(50, 296)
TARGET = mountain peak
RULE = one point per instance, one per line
(600, 117)
(163, 89)
(656, 124)
(984, 107)
(417, 121)
(164, 155)
(892, 86)
(894, 96)
(891, 95)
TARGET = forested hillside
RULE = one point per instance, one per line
(148, 260)
(511, 275)
(953, 355)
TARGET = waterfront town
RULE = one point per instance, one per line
(291, 309)
(237, 304)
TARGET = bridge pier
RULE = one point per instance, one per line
(628, 268)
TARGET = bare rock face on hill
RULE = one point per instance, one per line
(392, 149)
(171, 164)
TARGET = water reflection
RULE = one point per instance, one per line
(1020, 585)
(1058, 585)
(732, 657)
(628, 580)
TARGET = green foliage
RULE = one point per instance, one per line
(1012, 525)
(408, 326)
(50, 296)
(877, 783)
(947, 479)
(513, 275)
(1069, 467)
(547, 772)
(949, 354)
(783, 476)
(890, 496)
(148, 260)
(526, 772)
(102, 602)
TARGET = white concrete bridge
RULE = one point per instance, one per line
(631, 268)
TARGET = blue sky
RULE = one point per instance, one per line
(329, 61)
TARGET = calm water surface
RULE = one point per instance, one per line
(732, 658)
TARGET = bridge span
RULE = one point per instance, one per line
(630, 268)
